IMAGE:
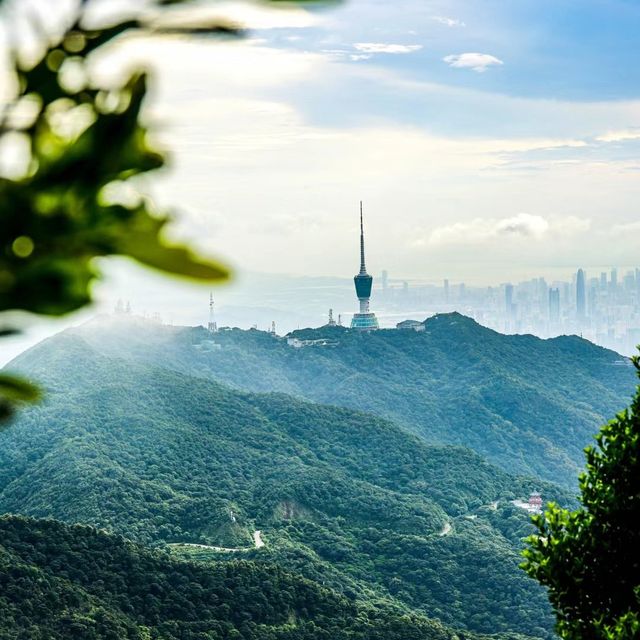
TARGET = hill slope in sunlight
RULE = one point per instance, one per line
(344, 498)
(526, 404)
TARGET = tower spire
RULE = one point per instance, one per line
(363, 268)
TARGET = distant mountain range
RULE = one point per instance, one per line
(144, 444)
(526, 404)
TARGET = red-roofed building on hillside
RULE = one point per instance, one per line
(535, 501)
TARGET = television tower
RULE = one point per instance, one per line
(364, 320)
(213, 325)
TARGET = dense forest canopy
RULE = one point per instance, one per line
(60, 582)
(528, 405)
(342, 497)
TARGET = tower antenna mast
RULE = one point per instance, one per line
(363, 268)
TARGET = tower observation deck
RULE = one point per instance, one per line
(365, 320)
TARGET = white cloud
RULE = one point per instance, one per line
(482, 229)
(186, 61)
(620, 136)
(522, 225)
(449, 22)
(570, 225)
(479, 62)
(381, 47)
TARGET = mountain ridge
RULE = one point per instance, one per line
(340, 496)
(528, 405)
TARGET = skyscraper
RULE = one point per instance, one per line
(364, 320)
(508, 298)
(581, 296)
(592, 299)
(385, 279)
(510, 308)
(554, 305)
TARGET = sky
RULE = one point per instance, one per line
(489, 141)
(485, 138)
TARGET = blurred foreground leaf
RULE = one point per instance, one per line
(72, 158)
(14, 390)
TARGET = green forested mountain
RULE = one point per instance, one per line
(526, 404)
(346, 499)
(60, 582)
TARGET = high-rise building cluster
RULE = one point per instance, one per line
(602, 307)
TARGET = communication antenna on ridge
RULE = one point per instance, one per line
(273, 328)
(213, 325)
(332, 322)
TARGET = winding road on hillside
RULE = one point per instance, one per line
(258, 542)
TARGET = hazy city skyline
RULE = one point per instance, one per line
(298, 302)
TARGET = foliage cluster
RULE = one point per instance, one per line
(77, 146)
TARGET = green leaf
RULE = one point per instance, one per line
(215, 28)
(14, 391)
(178, 260)
(98, 38)
(18, 389)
